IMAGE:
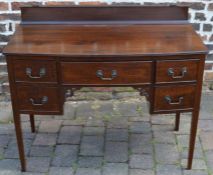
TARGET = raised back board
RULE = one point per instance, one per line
(104, 14)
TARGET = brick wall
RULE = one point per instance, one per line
(201, 16)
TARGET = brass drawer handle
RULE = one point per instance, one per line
(169, 100)
(100, 74)
(171, 73)
(42, 72)
(44, 100)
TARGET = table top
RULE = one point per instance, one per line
(102, 40)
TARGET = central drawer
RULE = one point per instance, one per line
(106, 73)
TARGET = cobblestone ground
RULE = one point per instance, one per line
(109, 137)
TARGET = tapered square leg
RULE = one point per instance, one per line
(32, 123)
(193, 132)
(177, 121)
(17, 122)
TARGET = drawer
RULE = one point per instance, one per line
(94, 73)
(35, 71)
(174, 97)
(179, 70)
(37, 98)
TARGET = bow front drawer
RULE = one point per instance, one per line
(174, 97)
(38, 99)
(35, 71)
(106, 73)
(178, 70)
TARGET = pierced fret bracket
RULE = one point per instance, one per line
(70, 92)
(143, 92)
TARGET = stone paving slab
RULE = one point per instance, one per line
(88, 171)
(10, 172)
(206, 125)
(168, 170)
(95, 122)
(85, 110)
(92, 146)
(4, 140)
(65, 155)
(38, 164)
(183, 140)
(207, 143)
(165, 137)
(106, 109)
(209, 159)
(32, 173)
(41, 151)
(70, 135)
(61, 171)
(166, 119)
(141, 143)
(162, 128)
(109, 138)
(1, 153)
(117, 122)
(90, 162)
(52, 126)
(198, 164)
(116, 152)
(69, 112)
(141, 172)
(166, 153)
(45, 139)
(195, 172)
(12, 150)
(93, 131)
(6, 129)
(117, 135)
(140, 127)
(141, 161)
(198, 153)
(9, 164)
(129, 109)
(115, 169)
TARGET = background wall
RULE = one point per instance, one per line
(201, 16)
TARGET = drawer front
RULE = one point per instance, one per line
(106, 73)
(174, 97)
(37, 98)
(174, 71)
(35, 71)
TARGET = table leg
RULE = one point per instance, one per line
(193, 132)
(177, 121)
(19, 137)
(195, 113)
(32, 123)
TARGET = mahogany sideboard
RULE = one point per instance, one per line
(56, 50)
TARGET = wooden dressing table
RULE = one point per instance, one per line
(56, 50)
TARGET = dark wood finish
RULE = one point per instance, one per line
(195, 114)
(127, 55)
(49, 68)
(175, 92)
(126, 73)
(190, 66)
(177, 121)
(32, 123)
(20, 142)
(76, 14)
(16, 115)
(36, 93)
(102, 40)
